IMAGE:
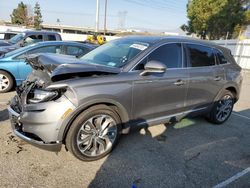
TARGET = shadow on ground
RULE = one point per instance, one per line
(4, 115)
(191, 153)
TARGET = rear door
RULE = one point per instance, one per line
(200, 63)
(161, 94)
(219, 72)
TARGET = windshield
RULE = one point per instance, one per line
(115, 53)
(17, 38)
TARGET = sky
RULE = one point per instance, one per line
(158, 15)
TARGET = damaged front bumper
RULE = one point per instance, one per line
(39, 124)
(16, 128)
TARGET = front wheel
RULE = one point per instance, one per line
(94, 133)
(222, 108)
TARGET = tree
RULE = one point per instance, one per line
(20, 15)
(37, 16)
(216, 18)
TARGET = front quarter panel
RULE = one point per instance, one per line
(113, 90)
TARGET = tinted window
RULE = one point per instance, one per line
(51, 37)
(74, 50)
(33, 39)
(200, 56)
(221, 58)
(169, 54)
(46, 49)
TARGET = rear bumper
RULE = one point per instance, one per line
(30, 138)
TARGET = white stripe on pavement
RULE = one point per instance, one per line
(237, 114)
(233, 178)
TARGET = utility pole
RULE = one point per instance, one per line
(105, 18)
(97, 16)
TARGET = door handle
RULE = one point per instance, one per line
(179, 83)
(217, 78)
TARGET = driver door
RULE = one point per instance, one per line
(161, 94)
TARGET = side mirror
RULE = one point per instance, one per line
(153, 67)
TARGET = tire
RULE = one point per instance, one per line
(6, 82)
(94, 133)
(217, 116)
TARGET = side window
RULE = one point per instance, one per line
(51, 37)
(221, 58)
(33, 39)
(46, 49)
(74, 50)
(200, 56)
(21, 57)
(169, 54)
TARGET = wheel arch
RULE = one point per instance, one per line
(230, 87)
(118, 108)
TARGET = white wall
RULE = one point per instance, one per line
(240, 49)
(80, 37)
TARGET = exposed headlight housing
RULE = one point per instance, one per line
(40, 95)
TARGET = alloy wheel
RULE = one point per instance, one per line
(4, 82)
(224, 108)
(97, 135)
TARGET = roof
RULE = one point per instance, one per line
(39, 32)
(63, 43)
(156, 39)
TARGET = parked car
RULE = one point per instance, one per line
(14, 69)
(8, 35)
(127, 82)
(26, 38)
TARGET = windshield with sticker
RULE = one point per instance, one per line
(115, 53)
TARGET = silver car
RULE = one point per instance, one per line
(128, 82)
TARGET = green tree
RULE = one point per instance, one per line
(20, 15)
(216, 18)
(37, 16)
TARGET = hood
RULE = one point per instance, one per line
(61, 67)
(4, 43)
(48, 62)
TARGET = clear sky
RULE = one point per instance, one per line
(162, 15)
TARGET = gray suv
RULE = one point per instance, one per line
(133, 81)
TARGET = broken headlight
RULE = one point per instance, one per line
(40, 95)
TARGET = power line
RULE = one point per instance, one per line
(156, 5)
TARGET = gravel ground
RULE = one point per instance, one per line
(198, 155)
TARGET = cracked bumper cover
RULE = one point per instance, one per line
(39, 124)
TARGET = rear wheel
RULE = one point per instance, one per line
(222, 108)
(6, 82)
(94, 133)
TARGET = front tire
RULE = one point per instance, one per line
(222, 108)
(6, 82)
(94, 133)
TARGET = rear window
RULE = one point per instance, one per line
(200, 56)
(221, 58)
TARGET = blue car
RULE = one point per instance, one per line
(13, 68)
